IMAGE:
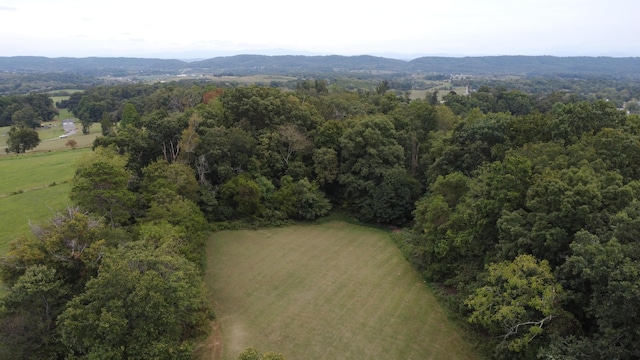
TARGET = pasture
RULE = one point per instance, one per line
(35, 206)
(50, 138)
(33, 187)
(330, 291)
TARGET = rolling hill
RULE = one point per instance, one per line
(291, 64)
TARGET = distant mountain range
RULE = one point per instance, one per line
(295, 65)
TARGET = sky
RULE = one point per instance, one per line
(404, 29)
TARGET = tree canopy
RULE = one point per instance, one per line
(522, 207)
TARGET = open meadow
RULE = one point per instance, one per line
(50, 139)
(34, 186)
(329, 291)
(36, 206)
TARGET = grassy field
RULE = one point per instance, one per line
(442, 91)
(65, 114)
(37, 170)
(35, 206)
(34, 186)
(50, 138)
(331, 291)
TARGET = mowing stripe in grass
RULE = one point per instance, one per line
(331, 291)
(37, 206)
(37, 170)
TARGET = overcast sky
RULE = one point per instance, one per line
(207, 28)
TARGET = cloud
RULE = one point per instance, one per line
(7, 8)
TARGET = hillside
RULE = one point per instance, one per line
(530, 65)
(289, 64)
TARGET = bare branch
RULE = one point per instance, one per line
(513, 329)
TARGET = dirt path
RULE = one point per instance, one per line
(211, 348)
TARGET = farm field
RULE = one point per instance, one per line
(33, 187)
(442, 91)
(330, 291)
(36, 206)
(50, 138)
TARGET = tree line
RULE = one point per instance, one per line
(117, 275)
(522, 207)
(24, 114)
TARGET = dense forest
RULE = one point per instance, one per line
(523, 208)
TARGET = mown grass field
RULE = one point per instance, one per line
(33, 187)
(50, 138)
(65, 114)
(36, 206)
(330, 291)
(442, 91)
(37, 170)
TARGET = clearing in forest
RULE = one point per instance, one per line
(330, 291)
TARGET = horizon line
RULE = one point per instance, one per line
(394, 56)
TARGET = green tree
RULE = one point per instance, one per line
(252, 353)
(19, 140)
(70, 243)
(328, 134)
(257, 108)
(28, 314)
(101, 186)
(227, 152)
(383, 87)
(43, 106)
(604, 275)
(326, 166)
(42, 273)
(143, 304)
(106, 125)
(432, 98)
(130, 116)
(186, 216)
(90, 109)
(249, 353)
(413, 124)
(574, 120)
(368, 151)
(473, 143)
(301, 199)
(240, 197)
(26, 118)
(128, 142)
(559, 204)
(393, 199)
(520, 298)
(164, 132)
(441, 228)
(633, 106)
(175, 177)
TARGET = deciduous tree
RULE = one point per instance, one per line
(143, 304)
(520, 298)
(100, 186)
(21, 139)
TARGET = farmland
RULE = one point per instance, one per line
(330, 291)
(50, 138)
(33, 187)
